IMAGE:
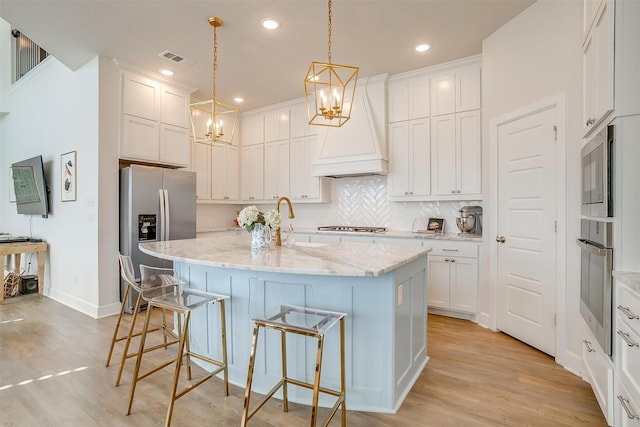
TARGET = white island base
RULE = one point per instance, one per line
(385, 329)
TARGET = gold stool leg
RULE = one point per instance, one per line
(283, 345)
(223, 329)
(316, 382)
(136, 370)
(184, 340)
(342, 379)
(125, 353)
(117, 329)
(247, 390)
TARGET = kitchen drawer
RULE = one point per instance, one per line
(451, 248)
(628, 307)
(599, 373)
(409, 241)
(627, 408)
(628, 355)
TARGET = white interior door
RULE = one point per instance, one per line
(527, 229)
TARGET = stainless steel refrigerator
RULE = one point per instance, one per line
(155, 204)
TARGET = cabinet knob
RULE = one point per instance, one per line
(453, 191)
(500, 239)
(446, 260)
(453, 260)
(590, 121)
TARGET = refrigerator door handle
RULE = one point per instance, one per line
(162, 215)
(167, 213)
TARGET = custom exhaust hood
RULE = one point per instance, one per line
(359, 147)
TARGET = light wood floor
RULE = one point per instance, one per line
(52, 373)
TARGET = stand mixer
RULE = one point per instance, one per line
(470, 221)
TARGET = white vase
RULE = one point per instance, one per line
(260, 237)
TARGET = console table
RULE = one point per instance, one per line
(17, 249)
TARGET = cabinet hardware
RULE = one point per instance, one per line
(446, 260)
(500, 239)
(627, 408)
(625, 336)
(453, 260)
(627, 312)
(450, 250)
(590, 348)
(590, 121)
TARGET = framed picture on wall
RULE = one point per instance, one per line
(68, 168)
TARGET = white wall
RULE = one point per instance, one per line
(52, 111)
(535, 56)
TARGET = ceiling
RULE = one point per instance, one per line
(263, 67)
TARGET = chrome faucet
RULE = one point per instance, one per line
(291, 215)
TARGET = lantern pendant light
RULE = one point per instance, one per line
(213, 122)
(329, 90)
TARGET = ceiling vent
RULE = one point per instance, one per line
(174, 57)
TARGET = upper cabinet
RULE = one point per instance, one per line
(276, 125)
(154, 121)
(408, 99)
(457, 91)
(434, 134)
(300, 121)
(251, 129)
(598, 67)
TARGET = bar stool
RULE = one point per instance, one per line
(182, 303)
(133, 284)
(300, 320)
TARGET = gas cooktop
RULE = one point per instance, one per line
(352, 228)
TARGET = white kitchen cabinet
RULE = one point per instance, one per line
(174, 145)
(139, 138)
(140, 96)
(201, 165)
(598, 372)
(626, 403)
(456, 155)
(252, 129)
(597, 68)
(276, 125)
(409, 160)
(300, 121)
(304, 187)
(276, 169)
(155, 121)
(408, 98)
(225, 165)
(455, 91)
(453, 276)
(252, 166)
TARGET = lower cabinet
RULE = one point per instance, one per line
(626, 403)
(453, 276)
(453, 283)
(598, 372)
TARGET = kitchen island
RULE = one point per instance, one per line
(382, 288)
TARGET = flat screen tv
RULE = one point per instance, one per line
(30, 186)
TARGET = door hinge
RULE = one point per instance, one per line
(555, 226)
(555, 131)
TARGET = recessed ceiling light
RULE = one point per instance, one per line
(422, 47)
(166, 72)
(270, 23)
(238, 99)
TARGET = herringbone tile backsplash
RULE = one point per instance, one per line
(354, 201)
(364, 201)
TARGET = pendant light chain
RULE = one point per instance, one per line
(329, 43)
(215, 69)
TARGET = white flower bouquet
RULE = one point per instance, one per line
(250, 216)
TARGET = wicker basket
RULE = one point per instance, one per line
(11, 284)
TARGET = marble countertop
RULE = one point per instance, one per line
(336, 259)
(388, 233)
(629, 278)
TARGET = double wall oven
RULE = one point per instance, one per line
(596, 236)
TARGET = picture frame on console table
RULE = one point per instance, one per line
(68, 173)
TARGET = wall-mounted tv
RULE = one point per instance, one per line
(30, 186)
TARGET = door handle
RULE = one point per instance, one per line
(500, 239)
